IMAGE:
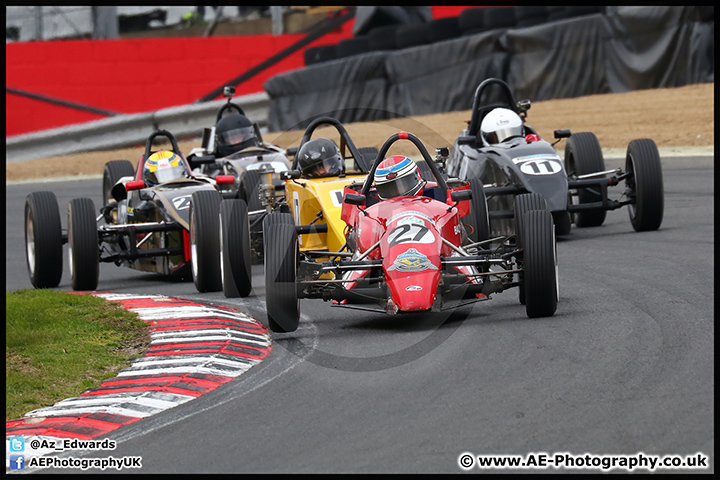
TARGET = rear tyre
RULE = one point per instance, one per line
(583, 155)
(540, 264)
(114, 171)
(478, 218)
(525, 203)
(205, 240)
(43, 240)
(281, 260)
(645, 185)
(235, 258)
(84, 253)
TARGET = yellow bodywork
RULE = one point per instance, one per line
(319, 201)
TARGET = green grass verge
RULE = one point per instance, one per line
(59, 344)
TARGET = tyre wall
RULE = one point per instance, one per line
(622, 49)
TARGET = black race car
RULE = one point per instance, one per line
(510, 158)
(145, 227)
(255, 164)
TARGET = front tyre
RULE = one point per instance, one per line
(523, 204)
(644, 185)
(540, 265)
(235, 257)
(84, 253)
(43, 240)
(281, 260)
(205, 240)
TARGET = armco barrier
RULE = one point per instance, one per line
(129, 130)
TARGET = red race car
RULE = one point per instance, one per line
(409, 248)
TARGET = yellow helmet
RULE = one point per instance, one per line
(162, 167)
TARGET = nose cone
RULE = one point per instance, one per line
(412, 278)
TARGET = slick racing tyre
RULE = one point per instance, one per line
(43, 240)
(539, 264)
(478, 218)
(583, 155)
(525, 203)
(277, 218)
(250, 187)
(235, 258)
(114, 171)
(205, 240)
(644, 185)
(281, 261)
(84, 252)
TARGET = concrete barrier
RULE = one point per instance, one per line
(129, 130)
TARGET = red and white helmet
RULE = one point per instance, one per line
(398, 176)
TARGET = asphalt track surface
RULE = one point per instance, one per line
(625, 366)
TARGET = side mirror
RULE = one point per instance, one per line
(292, 151)
(354, 199)
(562, 133)
(460, 195)
(225, 180)
(523, 105)
(136, 185)
(290, 174)
(466, 139)
(208, 139)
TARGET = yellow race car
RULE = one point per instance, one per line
(311, 201)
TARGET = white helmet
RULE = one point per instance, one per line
(501, 124)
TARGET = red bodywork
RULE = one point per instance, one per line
(410, 231)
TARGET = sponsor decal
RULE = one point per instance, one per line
(182, 202)
(409, 220)
(411, 212)
(413, 288)
(412, 261)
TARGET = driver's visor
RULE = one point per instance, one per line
(328, 167)
(236, 135)
(399, 186)
(166, 174)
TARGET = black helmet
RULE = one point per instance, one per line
(232, 134)
(320, 157)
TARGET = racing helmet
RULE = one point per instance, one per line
(501, 124)
(320, 157)
(398, 176)
(163, 166)
(234, 133)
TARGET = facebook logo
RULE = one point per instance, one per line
(17, 462)
(17, 444)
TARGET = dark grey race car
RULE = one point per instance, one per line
(575, 189)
